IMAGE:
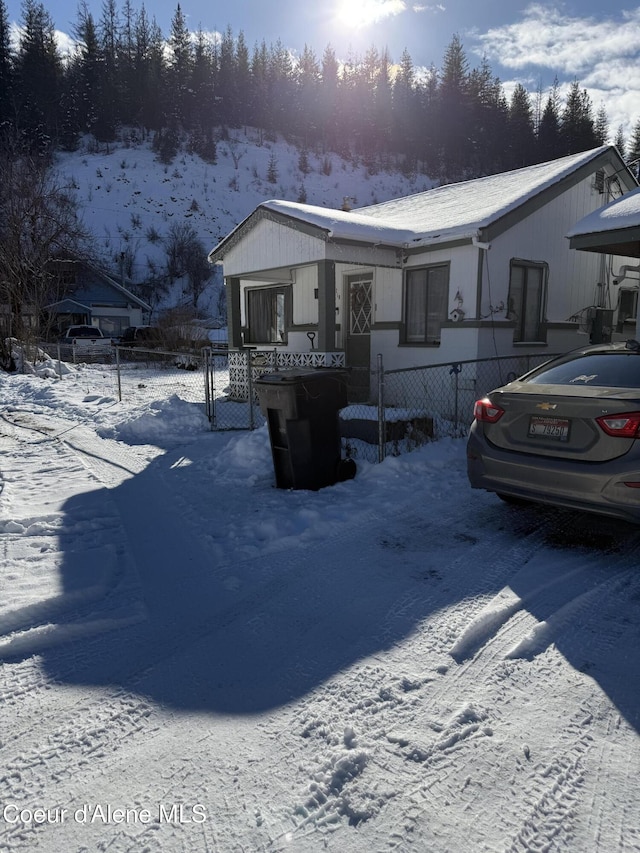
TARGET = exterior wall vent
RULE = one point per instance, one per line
(598, 181)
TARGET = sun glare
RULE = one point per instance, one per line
(361, 13)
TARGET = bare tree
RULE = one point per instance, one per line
(187, 256)
(38, 224)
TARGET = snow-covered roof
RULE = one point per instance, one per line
(346, 225)
(443, 214)
(614, 228)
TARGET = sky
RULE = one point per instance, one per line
(532, 43)
(192, 659)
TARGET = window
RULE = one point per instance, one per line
(425, 307)
(268, 315)
(113, 327)
(627, 307)
(527, 298)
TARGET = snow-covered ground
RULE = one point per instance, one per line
(194, 660)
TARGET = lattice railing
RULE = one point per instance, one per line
(267, 361)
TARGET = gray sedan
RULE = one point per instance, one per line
(565, 434)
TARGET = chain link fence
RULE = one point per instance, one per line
(424, 403)
(405, 408)
(133, 374)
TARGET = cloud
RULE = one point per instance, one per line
(549, 39)
(601, 53)
(431, 7)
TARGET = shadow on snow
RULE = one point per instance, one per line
(263, 632)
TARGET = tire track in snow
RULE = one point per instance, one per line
(452, 742)
(83, 731)
(614, 824)
(385, 698)
(64, 614)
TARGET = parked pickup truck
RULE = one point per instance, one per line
(85, 338)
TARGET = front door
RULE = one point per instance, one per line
(359, 291)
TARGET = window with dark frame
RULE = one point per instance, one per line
(627, 307)
(527, 300)
(268, 314)
(425, 303)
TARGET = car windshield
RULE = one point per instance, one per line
(609, 370)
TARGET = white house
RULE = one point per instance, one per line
(464, 271)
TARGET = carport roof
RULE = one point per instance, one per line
(613, 229)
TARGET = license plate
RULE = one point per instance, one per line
(554, 428)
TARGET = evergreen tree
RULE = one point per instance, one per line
(383, 106)
(487, 122)
(258, 106)
(549, 140)
(633, 152)
(577, 128)
(426, 102)
(347, 112)
(87, 72)
(308, 82)
(38, 78)
(226, 90)
(242, 79)
(357, 103)
(601, 126)
(108, 111)
(180, 70)
(69, 113)
(453, 116)
(522, 142)
(202, 82)
(149, 68)
(620, 141)
(272, 169)
(6, 70)
(282, 88)
(404, 110)
(329, 99)
(126, 65)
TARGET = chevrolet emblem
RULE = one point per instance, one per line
(546, 406)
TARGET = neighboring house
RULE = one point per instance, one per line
(615, 230)
(91, 297)
(464, 271)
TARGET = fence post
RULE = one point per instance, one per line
(250, 389)
(456, 370)
(118, 374)
(206, 355)
(59, 361)
(381, 419)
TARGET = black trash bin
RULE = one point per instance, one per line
(301, 407)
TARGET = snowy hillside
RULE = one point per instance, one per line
(129, 200)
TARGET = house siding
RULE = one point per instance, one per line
(272, 246)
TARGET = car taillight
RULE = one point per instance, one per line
(485, 410)
(626, 425)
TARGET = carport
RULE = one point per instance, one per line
(615, 230)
